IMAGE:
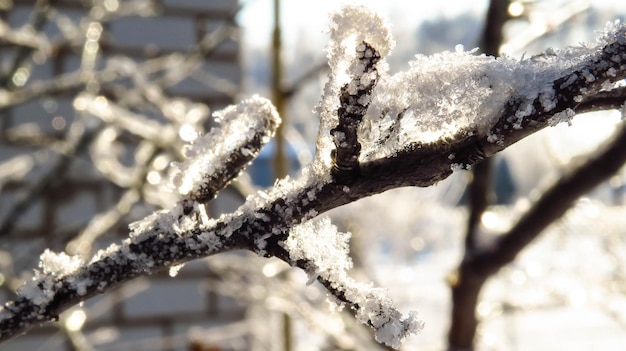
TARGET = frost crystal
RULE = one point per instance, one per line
(563, 116)
(446, 95)
(173, 271)
(319, 243)
(59, 264)
(350, 27)
(41, 289)
(243, 129)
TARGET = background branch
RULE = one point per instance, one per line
(481, 264)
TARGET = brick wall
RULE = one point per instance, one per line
(151, 314)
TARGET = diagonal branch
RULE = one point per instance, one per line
(553, 204)
(263, 222)
(587, 87)
(479, 265)
(163, 239)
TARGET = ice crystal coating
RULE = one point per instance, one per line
(244, 128)
(319, 243)
(445, 95)
(562, 117)
(350, 27)
(41, 289)
(449, 93)
(59, 264)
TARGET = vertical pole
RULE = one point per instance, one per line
(278, 97)
(280, 161)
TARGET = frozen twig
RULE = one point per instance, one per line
(354, 99)
(218, 157)
(38, 19)
(317, 247)
(456, 108)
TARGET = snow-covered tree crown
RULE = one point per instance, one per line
(378, 131)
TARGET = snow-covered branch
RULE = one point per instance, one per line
(216, 158)
(317, 247)
(165, 238)
(377, 131)
(354, 99)
(540, 92)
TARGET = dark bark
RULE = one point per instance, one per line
(466, 286)
(478, 192)
(263, 223)
(351, 112)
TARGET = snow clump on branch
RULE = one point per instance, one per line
(221, 154)
(451, 95)
(325, 251)
(349, 28)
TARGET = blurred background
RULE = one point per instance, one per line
(97, 98)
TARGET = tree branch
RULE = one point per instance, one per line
(78, 140)
(479, 265)
(37, 21)
(479, 187)
(424, 164)
(553, 204)
(264, 222)
(354, 100)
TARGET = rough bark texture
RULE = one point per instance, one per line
(263, 223)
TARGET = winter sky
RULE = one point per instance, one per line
(311, 17)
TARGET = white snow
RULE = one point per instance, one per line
(41, 289)
(445, 94)
(239, 124)
(319, 243)
(38, 290)
(59, 264)
(350, 26)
